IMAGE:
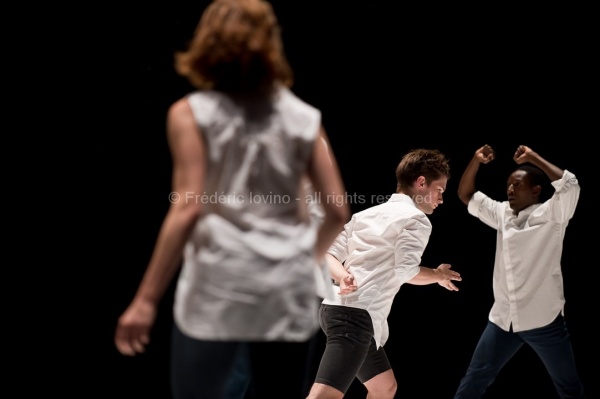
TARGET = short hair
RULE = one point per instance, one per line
(236, 48)
(533, 175)
(432, 164)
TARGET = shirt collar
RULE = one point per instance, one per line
(518, 220)
(401, 198)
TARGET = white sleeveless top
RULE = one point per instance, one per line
(248, 269)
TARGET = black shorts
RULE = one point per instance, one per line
(350, 350)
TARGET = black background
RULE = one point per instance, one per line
(388, 78)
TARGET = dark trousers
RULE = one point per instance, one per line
(496, 347)
(202, 369)
(350, 350)
(239, 385)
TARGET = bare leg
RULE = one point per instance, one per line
(322, 391)
(382, 386)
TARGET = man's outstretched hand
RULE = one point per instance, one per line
(448, 275)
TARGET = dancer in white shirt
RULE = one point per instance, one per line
(528, 285)
(381, 249)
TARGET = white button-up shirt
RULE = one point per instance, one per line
(528, 282)
(382, 247)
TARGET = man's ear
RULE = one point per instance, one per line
(536, 190)
(421, 182)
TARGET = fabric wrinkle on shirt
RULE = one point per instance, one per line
(249, 268)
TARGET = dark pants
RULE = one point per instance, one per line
(202, 369)
(239, 385)
(496, 347)
(350, 350)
